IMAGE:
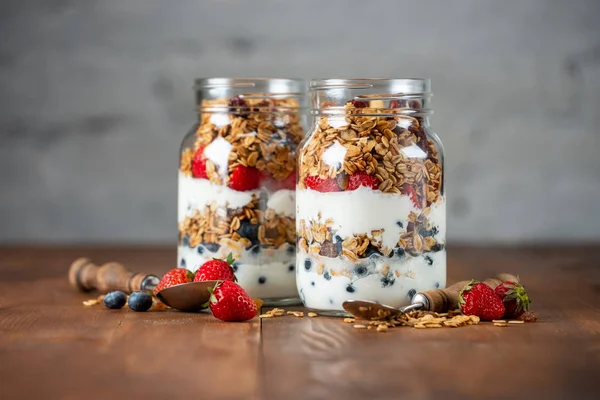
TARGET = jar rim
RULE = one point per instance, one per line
(291, 86)
(391, 85)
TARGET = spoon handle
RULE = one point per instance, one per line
(86, 276)
(443, 300)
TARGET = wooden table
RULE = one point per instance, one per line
(52, 347)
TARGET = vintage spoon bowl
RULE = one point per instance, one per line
(191, 296)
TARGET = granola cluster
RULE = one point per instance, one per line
(393, 148)
(263, 134)
(237, 229)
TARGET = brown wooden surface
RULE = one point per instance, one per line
(52, 347)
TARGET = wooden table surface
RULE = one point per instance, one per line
(52, 347)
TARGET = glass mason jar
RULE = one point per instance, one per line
(371, 210)
(237, 182)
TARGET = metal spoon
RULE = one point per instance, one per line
(438, 300)
(86, 276)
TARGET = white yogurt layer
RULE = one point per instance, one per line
(327, 291)
(194, 194)
(357, 211)
(268, 274)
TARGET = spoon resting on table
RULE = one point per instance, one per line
(437, 300)
(86, 276)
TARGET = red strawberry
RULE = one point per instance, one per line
(244, 178)
(199, 164)
(412, 193)
(515, 298)
(288, 182)
(477, 298)
(362, 179)
(322, 185)
(359, 103)
(216, 270)
(229, 302)
(174, 277)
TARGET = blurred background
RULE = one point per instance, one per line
(95, 97)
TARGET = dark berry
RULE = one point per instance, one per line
(350, 289)
(400, 224)
(291, 267)
(399, 252)
(249, 231)
(429, 260)
(328, 249)
(235, 266)
(186, 240)
(327, 276)
(291, 249)
(360, 103)
(255, 249)
(140, 301)
(238, 106)
(437, 285)
(312, 283)
(182, 263)
(386, 281)
(425, 233)
(262, 280)
(115, 300)
(361, 270)
(200, 249)
(437, 247)
(307, 264)
(213, 247)
(372, 251)
(411, 293)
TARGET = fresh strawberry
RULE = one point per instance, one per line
(229, 302)
(412, 193)
(216, 270)
(199, 164)
(515, 298)
(244, 178)
(477, 298)
(322, 185)
(362, 179)
(174, 277)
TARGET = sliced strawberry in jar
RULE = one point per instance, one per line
(199, 164)
(362, 179)
(244, 178)
(322, 185)
(412, 193)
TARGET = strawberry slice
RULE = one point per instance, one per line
(362, 179)
(244, 179)
(199, 164)
(322, 185)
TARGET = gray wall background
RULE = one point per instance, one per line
(95, 97)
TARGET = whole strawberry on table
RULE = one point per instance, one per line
(508, 300)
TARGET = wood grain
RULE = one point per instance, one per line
(53, 347)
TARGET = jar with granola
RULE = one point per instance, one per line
(371, 210)
(237, 180)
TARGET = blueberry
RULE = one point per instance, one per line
(411, 293)
(249, 231)
(437, 247)
(186, 240)
(235, 266)
(338, 239)
(386, 281)
(312, 283)
(437, 285)
(350, 289)
(372, 251)
(140, 301)
(429, 260)
(200, 249)
(361, 270)
(182, 263)
(115, 300)
(338, 244)
(400, 224)
(327, 276)
(255, 249)
(212, 247)
(307, 264)
(399, 252)
(291, 267)
(291, 249)
(262, 280)
(425, 233)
